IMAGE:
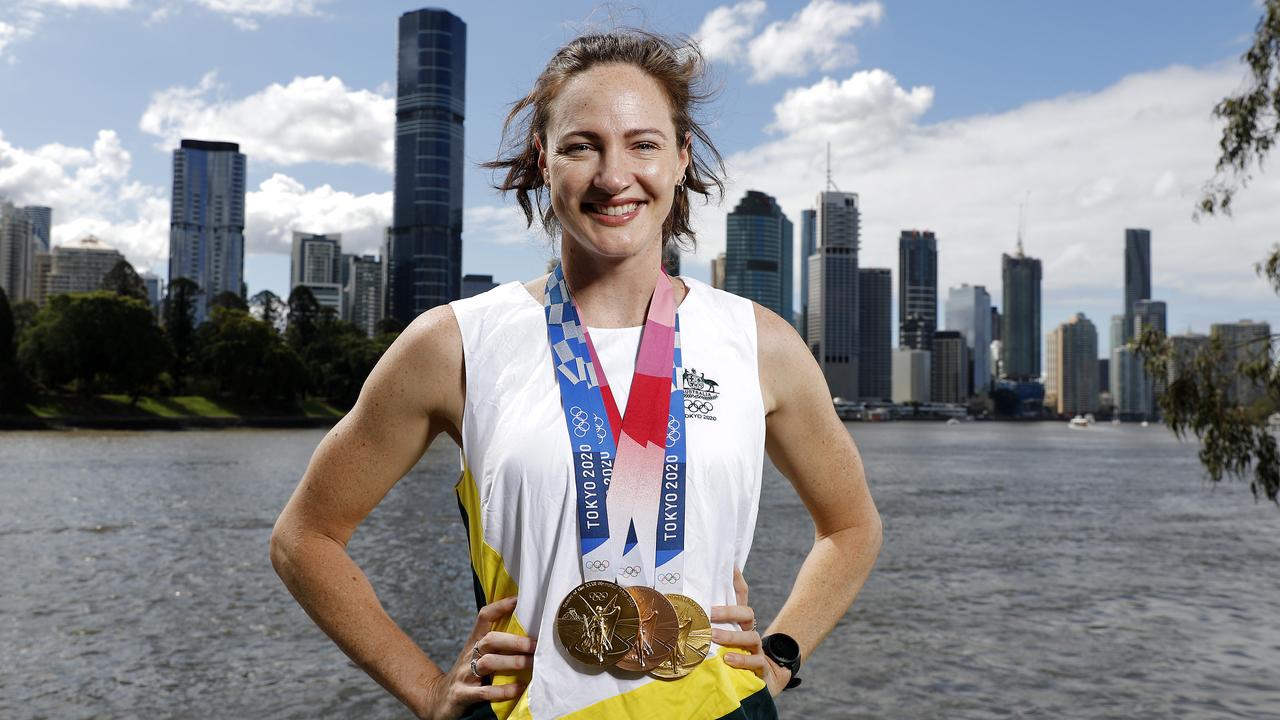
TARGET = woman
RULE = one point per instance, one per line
(511, 375)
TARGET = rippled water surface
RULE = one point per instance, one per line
(1028, 571)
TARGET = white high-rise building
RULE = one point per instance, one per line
(912, 376)
(78, 267)
(1073, 366)
(317, 263)
(968, 312)
(832, 321)
(17, 253)
(363, 294)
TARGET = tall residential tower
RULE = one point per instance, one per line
(206, 222)
(832, 322)
(758, 244)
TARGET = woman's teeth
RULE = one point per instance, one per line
(615, 209)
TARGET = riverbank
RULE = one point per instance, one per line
(181, 412)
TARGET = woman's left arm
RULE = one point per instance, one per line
(809, 444)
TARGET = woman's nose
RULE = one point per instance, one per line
(613, 176)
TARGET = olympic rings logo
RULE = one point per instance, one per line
(579, 417)
(598, 596)
(599, 422)
(669, 578)
(673, 430)
(598, 564)
(698, 406)
(631, 571)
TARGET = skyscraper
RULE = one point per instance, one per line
(423, 253)
(808, 241)
(832, 325)
(362, 293)
(1130, 384)
(473, 285)
(1137, 273)
(41, 225)
(17, 253)
(969, 313)
(917, 289)
(912, 376)
(758, 243)
(717, 271)
(875, 334)
(950, 367)
(1243, 342)
(1020, 334)
(206, 221)
(1073, 366)
(317, 264)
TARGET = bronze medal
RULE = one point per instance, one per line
(693, 639)
(657, 633)
(597, 623)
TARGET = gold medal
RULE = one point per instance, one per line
(657, 633)
(597, 623)
(693, 639)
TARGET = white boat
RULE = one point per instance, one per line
(952, 421)
(1115, 421)
(1079, 421)
(1145, 423)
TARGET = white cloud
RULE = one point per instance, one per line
(725, 30)
(812, 38)
(868, 106)
(500, 225)
(20, 19)
(245, 13)
(281, 205)
(91, 4)
(312, 119)
(1134, 154)
(90, 192)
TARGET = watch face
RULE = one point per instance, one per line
(783, 647)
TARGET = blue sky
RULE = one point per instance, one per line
(941, 115)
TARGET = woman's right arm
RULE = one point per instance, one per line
(415, 392)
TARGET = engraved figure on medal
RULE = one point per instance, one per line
(693, 639)
(656, 633)
(597, 623)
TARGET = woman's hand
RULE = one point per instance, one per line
(486, 651)
(775, 677)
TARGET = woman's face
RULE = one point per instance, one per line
(612, 160)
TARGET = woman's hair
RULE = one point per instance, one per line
(677, 66)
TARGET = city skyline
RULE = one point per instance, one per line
(918, 106)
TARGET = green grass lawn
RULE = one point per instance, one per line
(175, 406)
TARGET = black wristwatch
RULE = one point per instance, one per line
(785, 651)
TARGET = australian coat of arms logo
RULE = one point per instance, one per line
(700, 393)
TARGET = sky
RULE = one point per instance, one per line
(941, 116)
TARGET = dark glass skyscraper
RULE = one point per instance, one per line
(424, 244)
(1137, 273)
(206, 224)
(917, 289)
(1020, 336)
(758, 253)
(832, 320)
(875, 334)
(808, 242)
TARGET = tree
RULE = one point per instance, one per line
(24, 313)
(304, 315)
(229, 300)
(122, 279)
(98, 341)
(12, 385)
(270, 308)
(247, 359)
(179, 313)
(389, 325)
(1233, 439)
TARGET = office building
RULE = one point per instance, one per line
(78, 267)
(1104, 375)
(317, 264)
(206, 230)
(808, 242)
(875, 334)
(17, 253)
(969, 312)
(41, 219)
(717, 271)
(1242, 342)
(362, 295)
(1020, 331)
(917, 289)
(995, 323)
(1072, 377)
(1184, 350)
(758, 250)
(1149, 314)
(1130, 385)
(1137, 273)
(832, 318)
(423, 253)
(949, 367)
(155, 289)
(912, 376)
(473, 285)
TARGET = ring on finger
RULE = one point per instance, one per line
(475, 651)
(474, 670)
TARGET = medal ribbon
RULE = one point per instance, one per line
(639, 456)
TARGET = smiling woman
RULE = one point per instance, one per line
(622, 534)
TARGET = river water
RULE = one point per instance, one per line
(1029, 570)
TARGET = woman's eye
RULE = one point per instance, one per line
(577, 147)
(648, 146)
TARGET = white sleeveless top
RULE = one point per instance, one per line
(518, 496)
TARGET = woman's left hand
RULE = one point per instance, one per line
(748, 638)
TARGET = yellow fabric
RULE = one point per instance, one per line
(496, 583)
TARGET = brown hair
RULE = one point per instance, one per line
(680, 70)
